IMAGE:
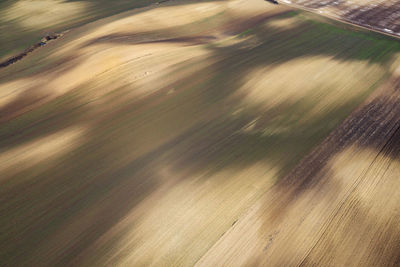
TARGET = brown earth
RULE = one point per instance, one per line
(383, 16)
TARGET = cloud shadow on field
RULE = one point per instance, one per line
(196, 128)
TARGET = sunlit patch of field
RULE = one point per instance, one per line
(155, 223)
(327, 82)
(365, 230)
(283, 23)
(166, 131)
(28, 155)
(41, 14)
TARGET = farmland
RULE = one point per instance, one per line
(24, 22)
(383, 16)
(237, 133)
